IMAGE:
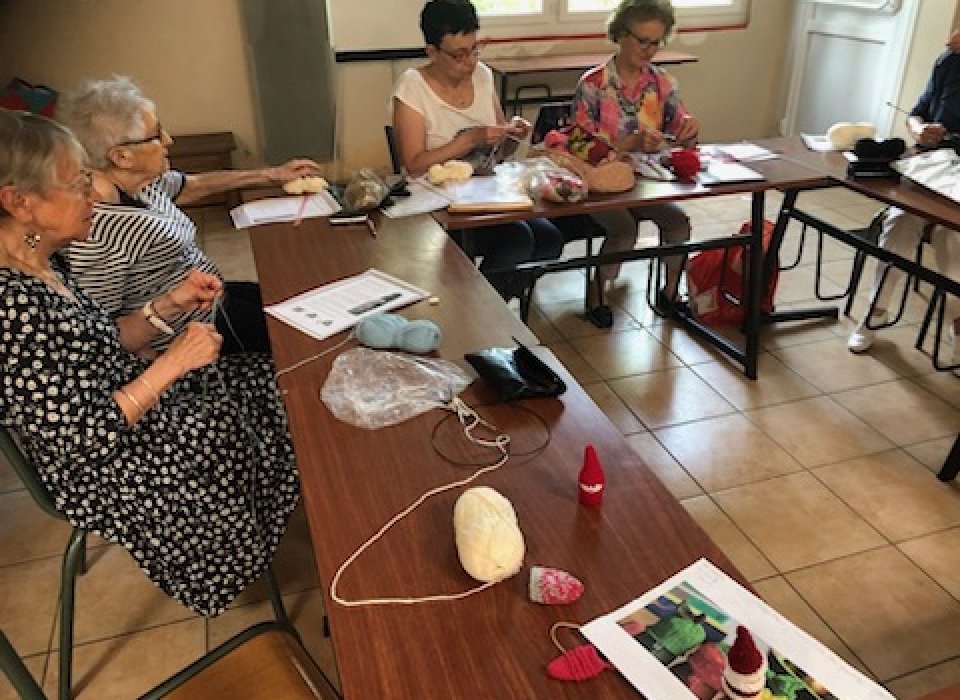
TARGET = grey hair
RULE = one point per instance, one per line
(630, 11)
(30, 148)
(104, 114)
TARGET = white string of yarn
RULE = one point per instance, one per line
(470, 421)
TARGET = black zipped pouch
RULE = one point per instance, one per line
(515, 373)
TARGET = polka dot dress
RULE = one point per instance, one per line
(199, 490)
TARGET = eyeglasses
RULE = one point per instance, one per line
(463, 55)
(82, 183)
(154, 137)
(646, 43)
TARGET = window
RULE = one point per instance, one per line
(508, 8)
(563, 16)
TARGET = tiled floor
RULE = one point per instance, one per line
(817, 481)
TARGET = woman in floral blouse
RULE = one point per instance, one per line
(634, 106)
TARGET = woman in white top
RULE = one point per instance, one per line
(448, 109)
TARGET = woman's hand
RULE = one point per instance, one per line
(645, 139)
(291, 170)
(931, 134)
(198, 345)
(196, 291)
(519, 127)
(480, 136)
(688, 130)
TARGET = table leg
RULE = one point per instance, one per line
(951, 467)
(754, 286)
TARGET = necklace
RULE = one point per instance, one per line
(459, 95)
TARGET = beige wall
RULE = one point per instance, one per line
(187, 54)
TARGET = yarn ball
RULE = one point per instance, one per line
(555, 139)
(844, 135)
(489, 541)
(685, 162)
(384, 331)
(379, 331)
(419, 336)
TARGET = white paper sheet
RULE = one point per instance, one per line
(746, 151)
(725, 604)
(280, 209)
(338, 306)
(423, 199)
(818, 142)
(936, 170)
(720, 173)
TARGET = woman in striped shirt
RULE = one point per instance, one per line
(141, 244)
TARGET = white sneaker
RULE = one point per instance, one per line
(862, 337)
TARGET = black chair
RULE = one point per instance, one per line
(263, 662)
(392, 148)
(74, 560)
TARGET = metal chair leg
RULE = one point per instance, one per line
(74, 560)
(276, 600)
(856, 273)
(927, 319)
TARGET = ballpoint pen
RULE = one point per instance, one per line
(373, 304)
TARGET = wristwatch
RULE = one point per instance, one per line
(154, 319)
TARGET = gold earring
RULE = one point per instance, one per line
(31, 239)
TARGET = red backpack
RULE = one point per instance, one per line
(715, 282)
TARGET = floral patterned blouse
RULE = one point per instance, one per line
(605, 107)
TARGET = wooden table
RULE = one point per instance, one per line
(496, 644)
(781, 174)
(505, 69)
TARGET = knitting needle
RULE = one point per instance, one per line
(948, 136)
(303, 206)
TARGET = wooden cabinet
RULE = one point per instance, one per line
(200, 153)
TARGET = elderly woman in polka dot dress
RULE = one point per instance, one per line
(184, 460)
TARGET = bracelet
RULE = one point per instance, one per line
(156, 394)
(133, 399)
(154, 319)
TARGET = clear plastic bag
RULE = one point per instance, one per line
(365, 191)
(373, 389)
(545, 180)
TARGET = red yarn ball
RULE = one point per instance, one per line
(686, 162)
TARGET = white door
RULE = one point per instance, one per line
(848, 63)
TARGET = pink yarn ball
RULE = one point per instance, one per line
(555, 139)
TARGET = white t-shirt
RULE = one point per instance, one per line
(444, 121)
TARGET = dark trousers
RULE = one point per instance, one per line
(240, 319)
(505, 246)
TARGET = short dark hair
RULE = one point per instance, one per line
(442, 17)
(630, 11)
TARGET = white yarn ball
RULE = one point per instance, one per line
(844, 135)
(488, 537)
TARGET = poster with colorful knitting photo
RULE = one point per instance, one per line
(701, 635)
(713, 655)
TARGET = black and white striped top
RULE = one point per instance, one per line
(138, 249)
